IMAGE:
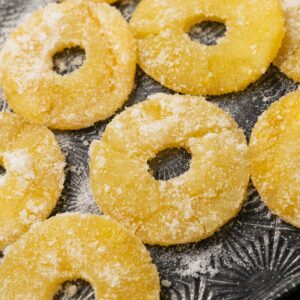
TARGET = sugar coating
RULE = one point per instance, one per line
(166, 53)
(187, 208)
(274, 153)
(79, 99)
(289, 3)
(289, 54)
(66, 247)
(34, 176)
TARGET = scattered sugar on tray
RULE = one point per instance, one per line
(74, 169)
(166, 283)
(11, 23)
(84, 201)
(192, 261)
(265, 99)
(200, 263)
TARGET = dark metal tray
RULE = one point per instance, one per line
(255, 256)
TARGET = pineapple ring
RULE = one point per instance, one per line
(167, 54)
(288, 57)
(93, 92)
(274, 153)
(72, 246)
(34, 176)
(184, 209)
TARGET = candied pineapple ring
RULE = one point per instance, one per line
(93, 92)
(288, 58)
(274, 153)
(34, 176)
(73, 246)
(184, 209)
(168, 55)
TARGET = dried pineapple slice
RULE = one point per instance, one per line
(34, 176)
(73, 246)
(274, 153)
(79, 99)
(255, 30)
(287, 59)
(184, 209)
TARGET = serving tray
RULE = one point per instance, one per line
(255, 256)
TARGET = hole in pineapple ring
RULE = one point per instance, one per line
(2, 174)
(2, 171)
(75, 289)
(68, 60)
(207, 32)
(169, 163)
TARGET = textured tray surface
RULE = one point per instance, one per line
(255, 256)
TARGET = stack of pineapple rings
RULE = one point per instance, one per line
(184, 209)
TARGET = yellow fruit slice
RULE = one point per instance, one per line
(74, 246)
(184, 209)
(288, 57)
(255, 30)
(34, 176)
(275, 163)
(87, 95)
